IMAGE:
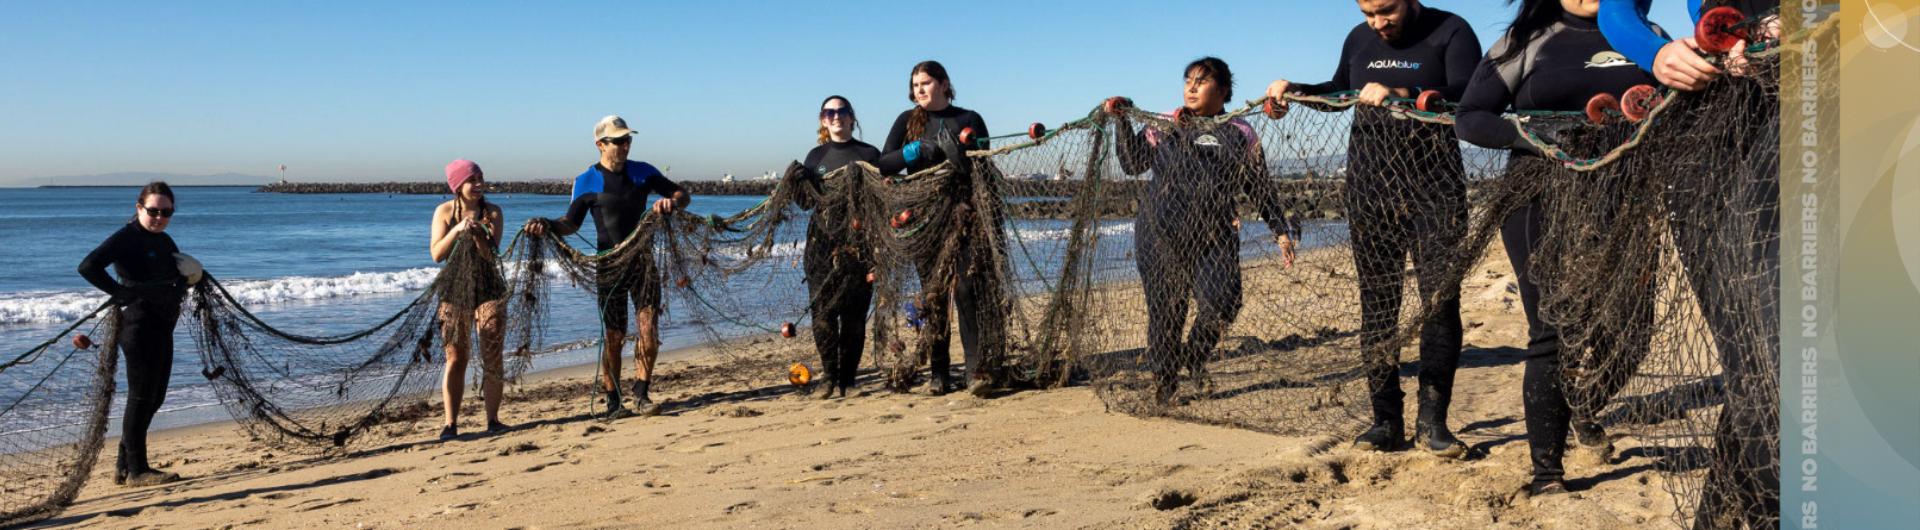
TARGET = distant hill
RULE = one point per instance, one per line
(139, 178)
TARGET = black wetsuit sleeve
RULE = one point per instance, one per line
(1463, 58)
(1342, 78)
(896, 137)
(1266, 196)
(891, 161)
(1478, 121)
(806, 180)
(1131, 147)
(94, 266)
(577, 211)
(665, 187)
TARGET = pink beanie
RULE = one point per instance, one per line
(459, 171)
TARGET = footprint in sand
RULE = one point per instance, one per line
(322, 504)
(741, 507)
(522, 447)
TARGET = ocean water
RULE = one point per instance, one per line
(325, 264)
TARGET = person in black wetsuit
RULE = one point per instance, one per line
(836, 263)
(1738, 294)
(1186, 244)
(149, 292)
(913, 144)
(614, 193)
(1407, 194)
(468, 215)
(1553, 58)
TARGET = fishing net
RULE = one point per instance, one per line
(1707, 395)
(1145, 255)
(1137, 252)
(49, 440)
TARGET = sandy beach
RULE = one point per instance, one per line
(740, 448)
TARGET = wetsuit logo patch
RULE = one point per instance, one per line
(1207, 140)
(1608, 59)
(1393, 64)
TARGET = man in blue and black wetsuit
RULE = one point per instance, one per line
(614, 192)
(1406, 195)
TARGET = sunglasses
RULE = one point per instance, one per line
(623, 140)
(158, 212)
(843, 112)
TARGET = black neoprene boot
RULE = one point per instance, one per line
(1384, 436)
(1430, 432)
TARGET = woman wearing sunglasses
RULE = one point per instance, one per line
(469, 218)
(149, 291)
(836, 264)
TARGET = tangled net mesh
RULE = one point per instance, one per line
(1135, 253)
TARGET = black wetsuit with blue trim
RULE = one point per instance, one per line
(1185, 243)
(836, 263)
(151, 289)
(1559, 70)
(617, 201)
(1738, 293)
(1407, 197)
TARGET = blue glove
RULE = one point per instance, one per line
(911, 152)
(912, 309)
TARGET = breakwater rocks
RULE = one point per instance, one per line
(1319, 199)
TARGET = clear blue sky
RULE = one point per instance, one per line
(392, 91)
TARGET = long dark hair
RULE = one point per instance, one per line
(917, 124)
(1534, 18)
(153, 188)
(824, 137)
(1215, 68)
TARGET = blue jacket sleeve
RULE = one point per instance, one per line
(1624, 23)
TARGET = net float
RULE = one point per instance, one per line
(799, 374)
(854, 225)
(1638, 102)
(1236, 224)
(1273, 110)
(906, 216)
(1115, 104)
(1719, 30)
(1036, 130)
(968, 137)
(683, 282)
(1429, 101)
(872, 277)
(1598, 106)
(83, 342)
(786, 330)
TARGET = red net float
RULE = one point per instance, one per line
(1273, 110)
(1719, 30)
(1114, 105)
(1598, 107)
(1036, 131)
(786, 330)
(83, 342)
(1429, 101)
(1638, 102)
